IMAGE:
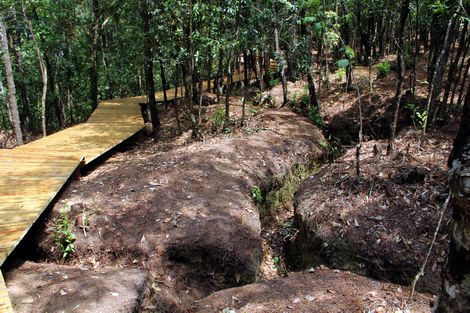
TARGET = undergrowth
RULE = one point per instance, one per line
(62, 235)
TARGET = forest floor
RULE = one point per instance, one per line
(179, 216)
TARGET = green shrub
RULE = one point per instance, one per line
(61, 234)
(314, 116)
(383, 69)
(340, 74)
(256, 195)
(219, 117)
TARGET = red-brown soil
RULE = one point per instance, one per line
(183, 211)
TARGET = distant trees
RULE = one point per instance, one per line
(93, 50)
(12, 106)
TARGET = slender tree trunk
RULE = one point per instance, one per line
(164, 83)
(405, 10)
(12, 105)
(267, 68)
(462, 87)
(177, 117)
(436, 83)
(281, 63)
(416, 52)
(68, 84)
(148, 63)
(220, 75)
(461, 68)
(57, 105)
(94, 54)
(257, 69)
(25, 112)
(455, 291)
(228, 90)
(209, 72)
(246, 86)
(451, 79)
(43, 72)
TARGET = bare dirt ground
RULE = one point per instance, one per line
(183, 211)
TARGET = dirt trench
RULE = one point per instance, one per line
(184, 215)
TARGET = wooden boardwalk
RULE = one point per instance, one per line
(32, 175)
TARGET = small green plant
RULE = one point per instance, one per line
(314, 116)
(383, 69)
(273, 82)
(256, 195)
(418, 117)
(340, 74)
(62, 236)
(219, 117)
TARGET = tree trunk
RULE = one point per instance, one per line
(43, 72)
(176, 104)
(436, 83)
(228, 91)
(460, 70)
(416, 52)
(246, 86)
(405, 10)
(164, 83)
(209, 72)
(148, 63)
(281, 63)
(94, 55)
(462, 87)
(220, 76)
(68, 84)
(25, 112)
(59, 112)
(455, 292)
(12, 105)
(451, 79)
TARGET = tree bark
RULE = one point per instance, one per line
(228, 90)
(281, 63)
(58, 109)
(455, 293)
(436, 83)
(12, 105)
(148, 64)
(25, 112)
(94, 54)
(164, 83)
(43, 72)
(451, 79)
(404, 12)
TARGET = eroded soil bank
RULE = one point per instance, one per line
(380, 225)
(185, 214)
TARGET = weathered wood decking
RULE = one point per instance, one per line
(32, 175)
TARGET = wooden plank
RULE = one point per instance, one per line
(5, 304)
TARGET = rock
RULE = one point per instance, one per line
(42, 288)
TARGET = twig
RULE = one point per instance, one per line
(421, 270)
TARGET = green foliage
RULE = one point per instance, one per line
(62, 235)
(343, 63)
(273, 82)
(418, 116)
(256, 195)
(315, 117)
(218, 118)
(383, 69)
(340, 74)
(282, 189)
